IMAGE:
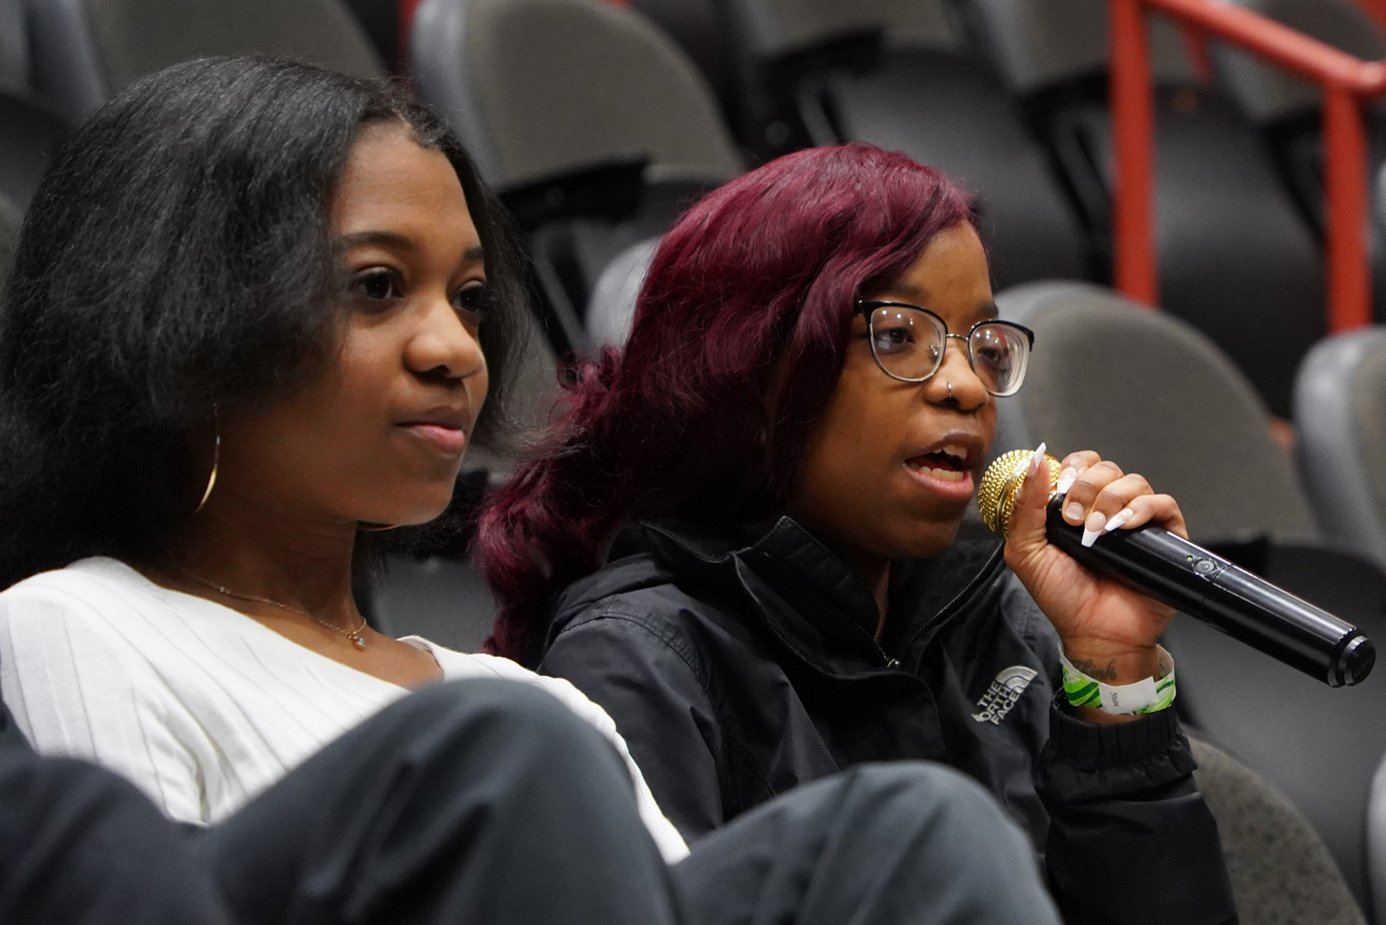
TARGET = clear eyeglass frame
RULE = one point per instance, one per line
(1012, 334)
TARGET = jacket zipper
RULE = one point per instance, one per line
(947, 610)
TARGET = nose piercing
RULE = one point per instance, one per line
(949, 384)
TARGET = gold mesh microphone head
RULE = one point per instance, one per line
(1001, 483)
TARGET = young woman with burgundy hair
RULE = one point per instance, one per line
(740, 538)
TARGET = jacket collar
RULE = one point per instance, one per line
(805, 595)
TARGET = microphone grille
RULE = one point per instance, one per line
(1001, 483)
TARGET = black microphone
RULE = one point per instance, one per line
(1193, 580)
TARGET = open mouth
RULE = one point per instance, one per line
(948, 464)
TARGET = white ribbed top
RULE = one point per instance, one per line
(197, 704)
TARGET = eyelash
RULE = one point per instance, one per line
(473, 301)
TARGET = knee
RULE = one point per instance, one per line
(57, 794)
(931, 795)
(477, 715)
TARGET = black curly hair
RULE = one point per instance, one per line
(177, 257)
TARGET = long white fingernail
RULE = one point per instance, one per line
(1093, 528)
(1119, 520)
(1066, 480)
(1036, 458)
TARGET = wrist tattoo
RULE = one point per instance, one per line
(1096, 671)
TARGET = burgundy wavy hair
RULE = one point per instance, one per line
(738, 340)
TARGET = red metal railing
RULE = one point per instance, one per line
(1344, 81)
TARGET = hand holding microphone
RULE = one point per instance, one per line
(1149, 561)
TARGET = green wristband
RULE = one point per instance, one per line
(1149, 695)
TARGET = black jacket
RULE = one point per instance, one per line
(736, 672)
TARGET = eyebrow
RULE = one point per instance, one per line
(987, 310)
(398, 241)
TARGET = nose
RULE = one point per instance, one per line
(955, 382)
(442, 346)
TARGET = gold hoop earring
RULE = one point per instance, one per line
(216, 461)
(376, 528)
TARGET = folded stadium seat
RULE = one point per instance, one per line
(1340, 414)
(591, 122)
(1235, 257)
(903, 76)
(1156, 395)
(1287, 109)
(1281, 871)
(83, 51)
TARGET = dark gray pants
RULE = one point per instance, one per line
(488, 801)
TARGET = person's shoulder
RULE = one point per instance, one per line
(638, 592)
(90, 588)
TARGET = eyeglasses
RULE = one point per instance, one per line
(908, 342)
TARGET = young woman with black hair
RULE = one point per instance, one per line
(258, 313)
(740, 540)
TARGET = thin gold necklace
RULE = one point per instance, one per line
(357, 636)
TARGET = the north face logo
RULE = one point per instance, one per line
(1010, 683)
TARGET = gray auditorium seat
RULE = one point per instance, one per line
(1287, 109)
(444, 600)
(1340, 415)
(83, 51)
(1236, 258)
(1319, 746)
(1376, 843)
(1153, 393)
(9, 236)
(902, 75)
(29, 134)
(539, 87)
(592, 123)
(1271, 95)
(612, 307)
(1281, 872)
(14, 48)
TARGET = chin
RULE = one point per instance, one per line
(413, 513)
(929, 541)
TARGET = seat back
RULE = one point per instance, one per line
(924, 93)
(14, 48)
(539, 88)
(1040, 47)
(1280, 869)
(778, 28)
(1340, 415)
(700, 29)
(1317, 745)
(9, 237)
(1235, 256)
(1269, 94)
(444, 600)
(1152, 393)
(612, 308)
(84, 51)
(29, 136)
(1376, 844)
